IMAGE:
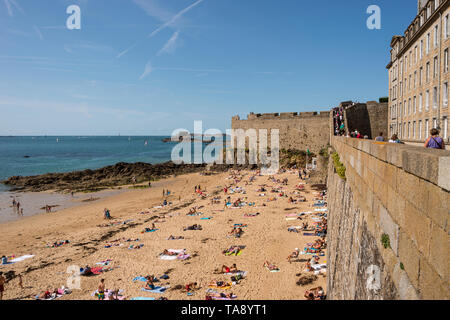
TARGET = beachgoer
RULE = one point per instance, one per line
(101, 290)
(380, 137)
(434, 141)
(394, 139)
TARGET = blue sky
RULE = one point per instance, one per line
(144, 67)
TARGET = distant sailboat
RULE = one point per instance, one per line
(57, 139)
(146, 143)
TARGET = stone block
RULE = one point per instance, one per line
(421, 163)
(379, 150)
(418, 226)
(389, 227)
(396, 206)
(438, 207)
(444, 173)
(394, 154)
(408, 187)
(431, 286)
(380, 190)
(440, 251)
(409, 256)
(405, 289)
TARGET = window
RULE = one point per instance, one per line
(434, 123)
(401, 88)
(446, 60)
(428, 72)
(421, 49)
(400, 129)
(409, 129)
(415, 104)
(399, 112)
(435, 67)
(414, 129)
(420, 76)
(436, 4)
(436, 36)
(404, 129)
(409, 106)
(427, 99)
(428, 43)
(420, 102)
(420, 129)
(409, 83)
(435, 97)
(415, 54)
(446, 27)
(415, 79)
(445, 93)
(428, 11)
(445, 133)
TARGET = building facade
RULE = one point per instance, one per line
(419, 75)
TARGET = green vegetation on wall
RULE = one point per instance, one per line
(385, 241)
(338, 165)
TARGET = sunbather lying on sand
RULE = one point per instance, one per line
(293, 255)
(171, 237)
(193, 227)
(219, 284)
(270, 266)
(191, 287)
(170, 253)
(47, 294)
(237, 232)
(221, 295)
(231, 269)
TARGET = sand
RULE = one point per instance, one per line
(265, 238)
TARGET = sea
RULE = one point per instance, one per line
(28, 155)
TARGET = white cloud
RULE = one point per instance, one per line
(38, 32)
(175, 18)
(8, 6)
(170, 45)
(147, 71)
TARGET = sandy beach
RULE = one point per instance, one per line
(265, 237)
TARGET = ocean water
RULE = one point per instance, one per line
(27, 156)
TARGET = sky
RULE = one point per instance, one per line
(149, 67)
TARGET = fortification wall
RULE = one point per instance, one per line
(304, 130)
(395, 190)
(369, 118)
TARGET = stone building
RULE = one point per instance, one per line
(419, 74)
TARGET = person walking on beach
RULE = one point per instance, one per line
(2, 285)
(434, 141)
(101, 290)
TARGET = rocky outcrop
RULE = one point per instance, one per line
(92, 180)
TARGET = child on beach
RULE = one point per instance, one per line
(101, 290)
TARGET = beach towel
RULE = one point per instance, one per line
(142, 298)
(143, 279)
(241, 273)
(206, 218)
(51, 298)
(183, 256)
(28, 256)
(149, 230)
(104, 262)
(164, 257)
(156, 290)
(291, 219)
(308, 234)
